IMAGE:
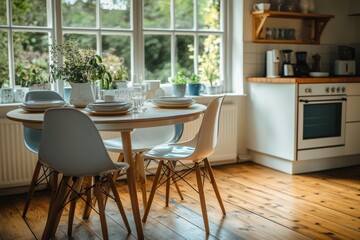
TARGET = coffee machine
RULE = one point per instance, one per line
(272, 63)
(287, 67)
(301, 67)
(346, 65)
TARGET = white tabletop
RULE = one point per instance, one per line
(153, 116)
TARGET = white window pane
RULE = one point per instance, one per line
(115, 13)
(4, 63)
(184, 14)
(29, 13)
(209, 14)
(116, 50)
(156, 14)
(157, 57)
(31, 58)
(185, 53)
(79, 13)
(209, 58)
(3, 19)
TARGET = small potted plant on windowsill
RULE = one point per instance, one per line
(195, 87)
(179, 83)
(33, 78)
(81, 67)
(118, 70)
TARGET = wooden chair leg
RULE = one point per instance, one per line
(167, 193)
(215, 187)
(100, 201)
(73, 197)
(142, 177)
(175, 183)
(202, 197)
(152, 192)
(89, 198)
(118, 201)
(54, 188)
(32, 188)
(55, 211)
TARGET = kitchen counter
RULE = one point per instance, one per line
(305, 80)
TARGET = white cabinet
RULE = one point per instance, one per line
(352, 138)
(352, 134)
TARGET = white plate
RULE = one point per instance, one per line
(172, 105)
(173, 99)
(319, 74)
(108, 113)
(108, 104)
(39, 109)
(44, 104)
(110, 108)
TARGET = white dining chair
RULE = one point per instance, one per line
(197, 151)
(143, 139)
(32, 140)
(71, 145)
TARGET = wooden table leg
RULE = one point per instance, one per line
(126, 140)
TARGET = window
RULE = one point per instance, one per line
(154, 38)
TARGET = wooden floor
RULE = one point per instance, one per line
(261, 203)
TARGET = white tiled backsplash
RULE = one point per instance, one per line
(255, 56)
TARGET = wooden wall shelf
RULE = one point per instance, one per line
(315, 22)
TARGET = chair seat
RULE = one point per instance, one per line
(115, 145)
(171, 151)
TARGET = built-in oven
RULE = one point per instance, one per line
(321, 120)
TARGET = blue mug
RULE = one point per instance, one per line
(196, 88)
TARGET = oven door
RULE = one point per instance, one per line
(321, 121)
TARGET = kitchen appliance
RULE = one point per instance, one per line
(346, 65)
(287, 67)
(321, 120)
(301, 67)
(272, 63)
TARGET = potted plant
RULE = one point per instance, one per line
(32, 77)
(195, 87)
(118, 70)
(81, 67)
(179, 83)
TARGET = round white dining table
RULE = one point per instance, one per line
(153, 116)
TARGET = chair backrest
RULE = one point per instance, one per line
(207, 135)
(32, 136)
(42, 95)
(147, 138)
(71, 144)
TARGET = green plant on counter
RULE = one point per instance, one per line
(33, 75)
(194, 79)
(180, 77)
(80, 64)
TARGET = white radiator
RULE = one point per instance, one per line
(17, 164)
(226, 149)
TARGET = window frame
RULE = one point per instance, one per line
(136, 32)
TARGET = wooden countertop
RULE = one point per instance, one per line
(305, 80)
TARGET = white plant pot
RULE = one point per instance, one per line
(6, 95)
(81, 94)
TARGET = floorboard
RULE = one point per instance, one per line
(261, 203)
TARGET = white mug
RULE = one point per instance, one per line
(261, 6)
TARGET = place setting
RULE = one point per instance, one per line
(173, 102)
(108, 108)
(41, 106)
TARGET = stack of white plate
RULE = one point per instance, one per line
(173, 102)
(41, 106)
(108, 108)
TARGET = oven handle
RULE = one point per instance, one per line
(326, 100)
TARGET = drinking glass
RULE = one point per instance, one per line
(139, 89)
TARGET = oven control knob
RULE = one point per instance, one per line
(333, 89)
(338, 89)
(327, 90)
(343, 89)
(308, 90)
